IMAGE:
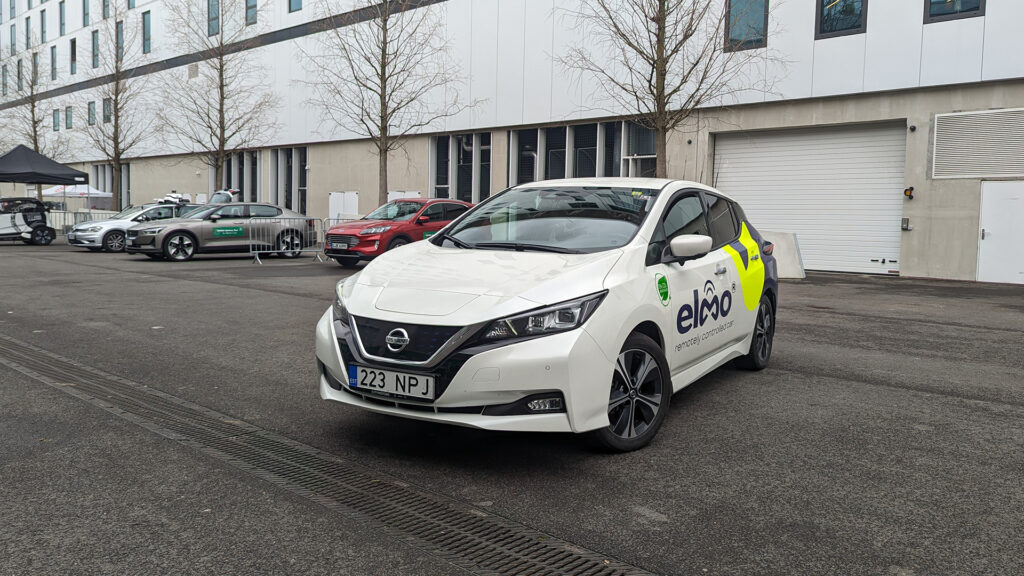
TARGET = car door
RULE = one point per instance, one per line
(437, 221)
(229, 231)
(266, 224)
(696, 295)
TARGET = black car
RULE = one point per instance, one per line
(25, 219)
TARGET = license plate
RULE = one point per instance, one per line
(339, 245)
(396, 383)
(71, 236)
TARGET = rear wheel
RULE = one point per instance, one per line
(400, 241)
(179, 247)
(347, 261)
(43, 235)
(289, 244)
(114, 241)
(764, 334)
(641, 391)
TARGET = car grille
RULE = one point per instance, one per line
(132, 234)
(424, 340)
(346, 239)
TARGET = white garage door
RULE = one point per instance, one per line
(839, 189)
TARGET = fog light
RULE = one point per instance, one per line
(544, 404)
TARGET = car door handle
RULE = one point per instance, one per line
(720, 270)
(982, 233)
(755, 257)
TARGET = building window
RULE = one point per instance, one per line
(106, 8)
(554, 165)
(91, 116)
(464, 167)
(107, 111)
(85, 12)
(74, 56)
(14, 39)
(119, 39)
(441, 163)
(28, 32)
(42, 25)
(56, 120)
(584, 151)
(212, 17)
(19, 76)
(942, 10)
(131, 4)
(53, 62)
(95, 49)
(294, 5)
(840, 18)
(63, 18)
(250, 12)
(147, 33)
(4, 74)
(526, 166)
(12, 9)
(67, 118)
(35, 68)
(746, 26)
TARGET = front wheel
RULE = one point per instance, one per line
(43, 235)
(179, 247)
(397, 242)
(764, 334)
(641, 391)
(114, 241)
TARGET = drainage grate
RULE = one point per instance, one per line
(475, 540)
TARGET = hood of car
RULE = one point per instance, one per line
(461, 287)
(103, 223)
(356, 226)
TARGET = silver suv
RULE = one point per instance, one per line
(109, 234)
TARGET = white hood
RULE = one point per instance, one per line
(459, 287)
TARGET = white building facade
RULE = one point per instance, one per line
(869, 99)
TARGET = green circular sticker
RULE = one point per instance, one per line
(662, 283)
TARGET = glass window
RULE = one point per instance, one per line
(453, 211)
(556, 219)
(527, 156)
(721, 221)
(747, 24)
(212, 17)
(441, 162)
(147, 32)
(940, 10)
(294, 5)
(232, 211)
(85, 12)
(12, 9)
(554, 142)
(19, 76)
(464, 167)
(95, 49)
(159, 213)
(642, 141)
(585, 149)
(74, 56)
(435, 212)
(396, 211)
(67, 118)
(107, 111)
(14, 39)
(35, 68)
(42, 25)
(612, 149)
(841, 17)
(53, 62)
(119, 40)
(250, 12)
(63, 18)
(131, 4)
(106, 8)
(685, 216)
(92, 114)
(56, 120)
(261, 211)
(4, 74)
(28, 32)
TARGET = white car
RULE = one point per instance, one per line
(561, 306)
(109, 234)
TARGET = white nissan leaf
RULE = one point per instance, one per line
(561, 306)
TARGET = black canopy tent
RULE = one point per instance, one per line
(23, 166)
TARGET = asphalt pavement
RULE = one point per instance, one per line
(886, 437)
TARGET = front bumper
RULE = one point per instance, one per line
(473, 383)
(92, 239)
(367, 247)
(142, 244)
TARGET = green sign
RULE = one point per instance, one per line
(429, 234)
(228, 232)
(663, 289)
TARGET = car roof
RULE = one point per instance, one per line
(620, 182)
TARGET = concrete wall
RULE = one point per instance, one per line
(944, 213)
(153, 178)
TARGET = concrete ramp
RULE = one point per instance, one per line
(787, 253)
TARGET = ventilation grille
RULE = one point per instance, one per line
(979, 144)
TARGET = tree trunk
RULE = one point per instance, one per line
(661, 149)
(382, 191)
(115, 189)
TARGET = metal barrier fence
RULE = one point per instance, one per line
(63, 222)
(286, 237)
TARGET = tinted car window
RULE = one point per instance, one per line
(159, 213)
(453, 211)
(264, 211)
(237, 211)
(723, 225)
(435, 212)
(685, 216)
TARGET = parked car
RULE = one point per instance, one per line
(109, 234)
(224, 228)
(561, 306)
(25, 219)
(390, 226)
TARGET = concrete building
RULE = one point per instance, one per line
(865, 104)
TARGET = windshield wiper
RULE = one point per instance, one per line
(456, 241)
(518, 247)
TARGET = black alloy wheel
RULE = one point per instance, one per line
(43, 235)
(761, 343)
(641, 391)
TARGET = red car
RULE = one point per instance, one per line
(393, 224)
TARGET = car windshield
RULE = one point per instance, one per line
(555, 219)
(200, 212)
(128, 213)
(396, 211)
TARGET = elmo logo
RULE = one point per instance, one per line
(712, 305)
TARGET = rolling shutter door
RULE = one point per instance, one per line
(839, 189)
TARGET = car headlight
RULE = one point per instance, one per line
(375, 230)
(553, 319)
(152, 230)
(90, 229)
(342, 290)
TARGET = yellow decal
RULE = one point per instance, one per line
(752, 274)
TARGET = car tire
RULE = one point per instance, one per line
(289, 244)
(639, 398)
(43, 235)
(761, 342)
(396, 242)
(347, 262)
(113, 241)
(179, 247)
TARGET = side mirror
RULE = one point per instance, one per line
(214, 217)
(689, 246)
(423, 219)
(142, 218)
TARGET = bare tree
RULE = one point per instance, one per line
(663, 59)
(125, 119)
(385, 78)
(221, 103)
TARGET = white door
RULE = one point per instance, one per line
(839, 189)
(1002, 217)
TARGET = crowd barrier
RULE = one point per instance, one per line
(288, 237)
(63, 222)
